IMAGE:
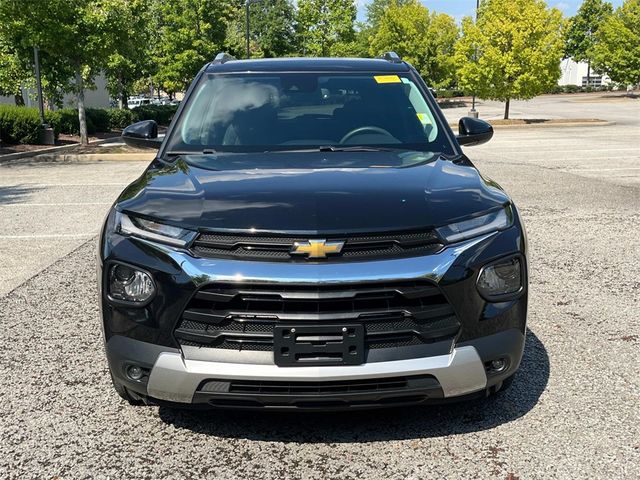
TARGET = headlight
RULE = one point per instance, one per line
(160, 232)
(129, 284)
(494, 221)
(500, 279)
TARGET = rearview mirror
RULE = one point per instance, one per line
(473, 131)
(142, 134)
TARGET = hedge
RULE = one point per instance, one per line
(20, 124)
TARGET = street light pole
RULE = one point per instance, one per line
(473, 112)
(246, 4)
(45, 133)
(36, 61)
(247, 32)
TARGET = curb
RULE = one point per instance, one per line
(45, 151)
(95, 157)
(599, 123)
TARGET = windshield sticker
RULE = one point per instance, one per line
(387, 79)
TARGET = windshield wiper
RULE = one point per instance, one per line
(177, 153)
(355, 148)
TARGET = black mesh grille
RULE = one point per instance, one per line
(277, 248)
(242, 317)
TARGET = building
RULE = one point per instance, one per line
(575, 73)
(96, 98)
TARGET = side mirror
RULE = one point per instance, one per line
(473, 131)
(142, 134)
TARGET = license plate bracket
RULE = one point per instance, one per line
(318, 345)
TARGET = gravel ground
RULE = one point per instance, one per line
(573, 412)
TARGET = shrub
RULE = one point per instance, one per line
(571, 88)
(64, 121)
(119, 118)
(99, 118)
(162, 114)
(450, 93)
(19, 124)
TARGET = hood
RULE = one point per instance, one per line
(337, 192)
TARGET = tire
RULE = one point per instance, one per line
(121, 390)
(506, 383)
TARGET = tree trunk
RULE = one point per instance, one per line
(588, 72)
(120, 96)
(506, 109)
(82, 116)
(19, 99)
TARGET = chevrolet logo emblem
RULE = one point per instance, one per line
(316, 248)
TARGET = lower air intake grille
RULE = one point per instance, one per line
(316, 388)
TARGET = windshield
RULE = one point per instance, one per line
(294, 111)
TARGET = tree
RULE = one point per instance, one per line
(425, 40)
(189, 34)
(326, 27)
(272, 30)
(512, 51)
(13, 74)
(376, 9)
(130, 37)
(72, 35)
(616, 51)
(583, 26)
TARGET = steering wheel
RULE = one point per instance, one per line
(367, 128)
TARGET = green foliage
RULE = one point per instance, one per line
(13, 73)
(131, 35)
(580, 35)
(120, 117)
(76, 38)
(512, 51)
(19, 124)
(271, 28)
(617, 48)
(162, 114)
(326, 27)
(376, 10)
(425, 40)
(63, 121)
(99, 118)
(189, 34)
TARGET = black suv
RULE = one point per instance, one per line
(311, 236)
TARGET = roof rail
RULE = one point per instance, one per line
(223, 57)
(392, 57)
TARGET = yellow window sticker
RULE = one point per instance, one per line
(424, 118)
(387, 79)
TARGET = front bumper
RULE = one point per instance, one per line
(174, 378)
(444, 370)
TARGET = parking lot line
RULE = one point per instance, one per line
(55, 235)
(69, 204)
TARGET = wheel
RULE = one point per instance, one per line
(506, 383)
(130, 397)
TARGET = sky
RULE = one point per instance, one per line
(460, 8)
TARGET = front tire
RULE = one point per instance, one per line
(125, 394)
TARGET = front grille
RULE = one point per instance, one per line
(277, 248)
(242, 317)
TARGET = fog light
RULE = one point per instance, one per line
(498, 365)
(134, 372)
(500, 279)
(130, 285)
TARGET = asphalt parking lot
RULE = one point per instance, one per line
(573, 412)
